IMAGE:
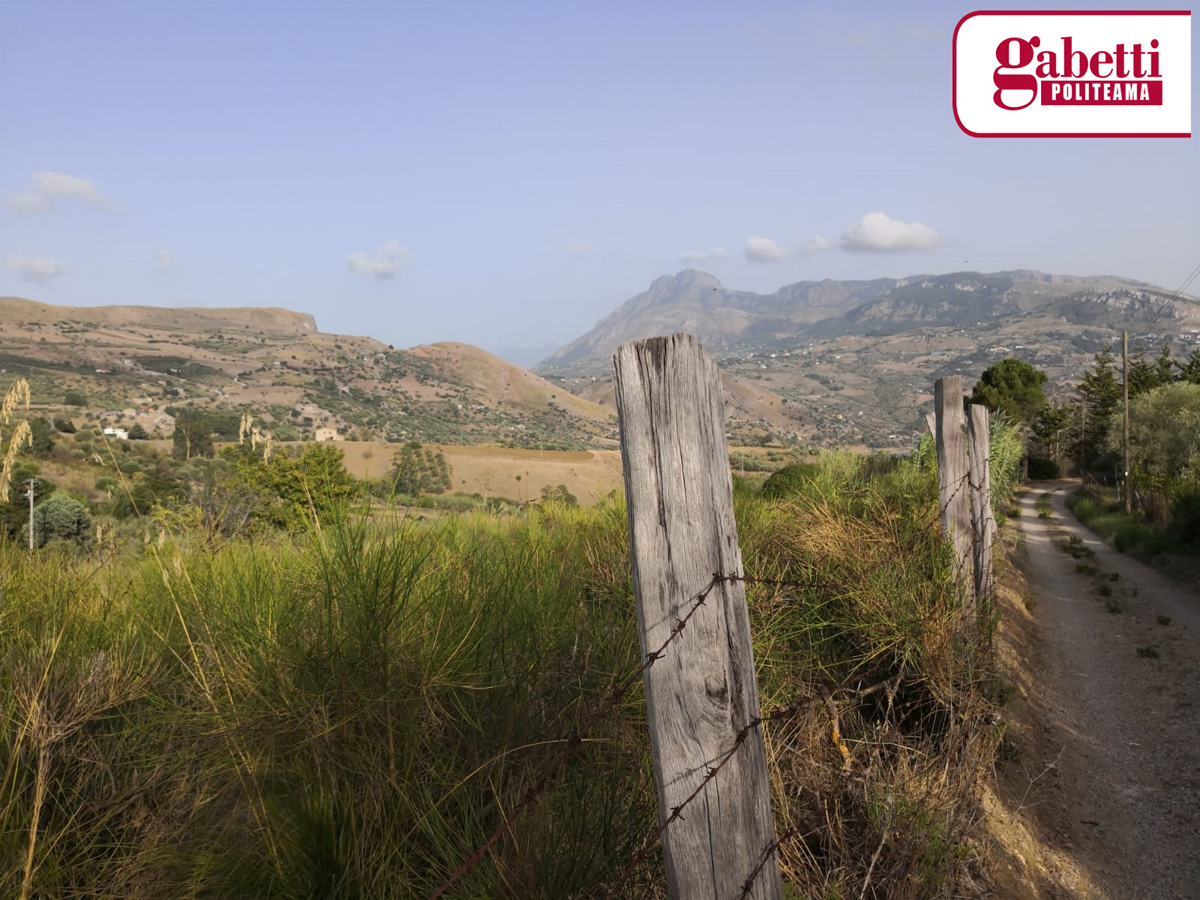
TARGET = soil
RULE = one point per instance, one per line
(1100, 796)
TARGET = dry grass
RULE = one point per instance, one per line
(351, 713)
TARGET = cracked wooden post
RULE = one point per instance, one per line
(701, 693)
(983, 522)
(954, 496)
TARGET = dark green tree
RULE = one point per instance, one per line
(1165, 365)
(138, 433)
(64, 426)
(192, 436)
(1190, 371)
(62, 518)
(1012, 387)
(1143, 375)
(75, 398)
(14, 512)
(1051, 430)
(43, 443)
(1100, 395)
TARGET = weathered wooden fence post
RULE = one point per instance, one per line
(702, 693)
(954, 499)
(983, 522)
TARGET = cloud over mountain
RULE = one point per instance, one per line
(691, 257)
(878, 233)
(764, 250)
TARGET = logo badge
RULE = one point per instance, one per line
(1074, 74)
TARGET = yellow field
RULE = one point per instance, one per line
(516, 475)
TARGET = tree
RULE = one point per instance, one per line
(1164, 444)
(1049, 428)
(138, 433)
(157, 487)
(75, 398)
(1100, 395)
(297, 488)
(41, 443)
(1190, 371)
(14, 512)
(62, 518)
(559, 494)
(193, 435)
(1143, 376)
(1013, 387)
(64, 426)
(1164, 365)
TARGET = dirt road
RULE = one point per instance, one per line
(1112, 752)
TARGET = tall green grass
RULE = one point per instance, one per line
(350, 713)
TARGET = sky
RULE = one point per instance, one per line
(508, 174)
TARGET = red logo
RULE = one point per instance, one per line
(1121, 76)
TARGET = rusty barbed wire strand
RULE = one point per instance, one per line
(775, 715)
(572, 744)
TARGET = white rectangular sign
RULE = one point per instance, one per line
(1074, 74)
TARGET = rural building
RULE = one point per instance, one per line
(119, 433)
(327, 434)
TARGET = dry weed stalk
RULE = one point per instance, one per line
(22, 435)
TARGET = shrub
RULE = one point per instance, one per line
(1185, 521)
(62, 518)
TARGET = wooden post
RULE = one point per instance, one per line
(983, 522)
(701, 693)
(954, 498)
(931, 423)
(1125, 440)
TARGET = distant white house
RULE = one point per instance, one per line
(327, 434)
(119, 433)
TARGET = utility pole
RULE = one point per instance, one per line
(29, 493)
(1125, 444)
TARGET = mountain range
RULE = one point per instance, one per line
(834, 363)
(859, 358)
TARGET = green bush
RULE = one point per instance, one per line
(1185, 521)
(62, 518)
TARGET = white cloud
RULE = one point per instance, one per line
(387, 261)
(49, 187)
(764, 250)
(164, 259)
(876, 233)
(699, 256)
(817, 244)
(577, 248)
(38, 269)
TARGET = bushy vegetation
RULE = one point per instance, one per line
(348, 704)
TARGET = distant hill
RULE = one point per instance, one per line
(266, 318)
(856, 360)
(139, 361)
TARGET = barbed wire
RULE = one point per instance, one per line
(576, 740)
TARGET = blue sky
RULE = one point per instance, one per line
(506, 174)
